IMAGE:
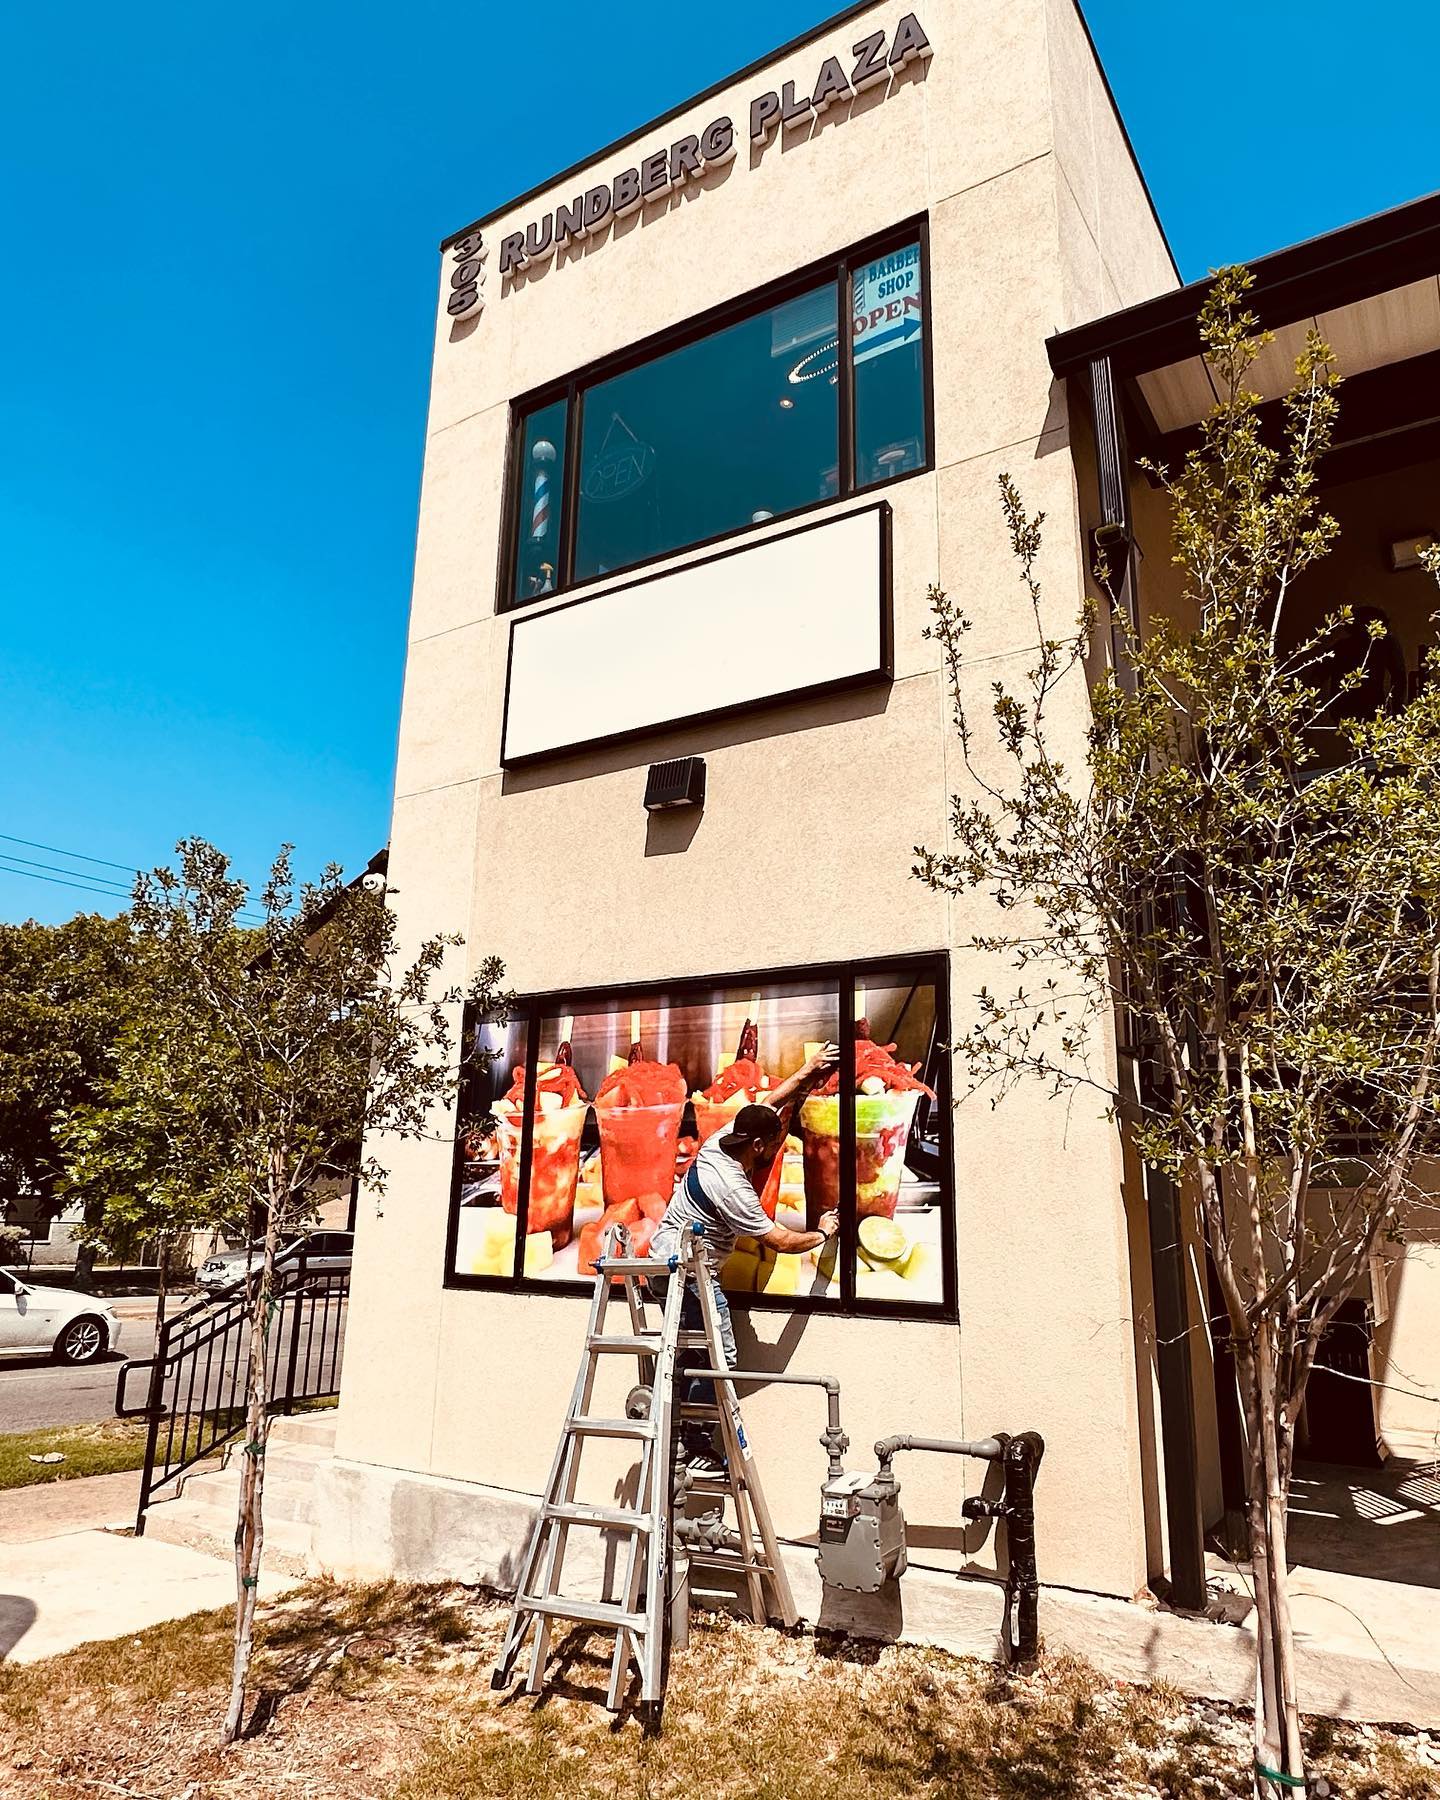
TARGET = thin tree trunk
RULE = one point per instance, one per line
(1267, 1711)
(249, 1525)
(1284, 1725)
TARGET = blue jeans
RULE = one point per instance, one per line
(698, 1391)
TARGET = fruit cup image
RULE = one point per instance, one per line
(741, 1084)
(638, 1110)
(886, 1095)
(554, 1153)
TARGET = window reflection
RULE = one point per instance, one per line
(540, 476)
(732, 430)
(887, 333)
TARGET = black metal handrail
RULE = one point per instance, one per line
(195, 1381)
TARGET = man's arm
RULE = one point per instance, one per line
(788, 1242)
(810, 1074)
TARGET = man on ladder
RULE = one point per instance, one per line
(720, 1194)
(699, 1229)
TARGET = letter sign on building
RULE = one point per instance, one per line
(653, 176)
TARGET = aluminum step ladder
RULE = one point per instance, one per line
(653, 1600)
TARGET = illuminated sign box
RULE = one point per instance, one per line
(799, 613)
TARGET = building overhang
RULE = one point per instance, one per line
(1371, 290)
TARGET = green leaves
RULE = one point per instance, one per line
(1247, 866)
(265, 1058)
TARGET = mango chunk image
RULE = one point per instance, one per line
(881, 1284)
(495, 1253)
(781, 1276)
(539, 1252)
(922, 1265)
(739, 1273)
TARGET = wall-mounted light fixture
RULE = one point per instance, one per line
(680, 782)
(1405, 552)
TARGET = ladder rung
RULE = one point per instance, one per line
(631, 1265)
(649, 1345)
(584, 1612)
(580, 1514)
(698, 1409)
(616, 1428)
(710, 1484)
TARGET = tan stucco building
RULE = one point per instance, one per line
(710, 415)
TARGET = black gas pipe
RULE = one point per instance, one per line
(1019, 1459)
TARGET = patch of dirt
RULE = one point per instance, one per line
(382, 1693)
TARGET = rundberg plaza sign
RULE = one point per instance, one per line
(872, 60)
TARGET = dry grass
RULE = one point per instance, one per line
(383, 1692)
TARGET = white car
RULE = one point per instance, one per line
(324, 1252)
(47, 1321)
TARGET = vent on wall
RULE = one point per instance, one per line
(677, 783)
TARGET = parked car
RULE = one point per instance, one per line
(48, 1321)
(323, 1250)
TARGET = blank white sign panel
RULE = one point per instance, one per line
(799, 611)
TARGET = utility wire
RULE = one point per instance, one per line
(74, 855)
(88, 886)
(58, 869)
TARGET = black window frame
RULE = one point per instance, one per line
(933, 966)
(841, 267)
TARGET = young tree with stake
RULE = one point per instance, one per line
(1246, 873)
(300, 1045)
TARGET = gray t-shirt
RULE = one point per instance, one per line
(736, 1208)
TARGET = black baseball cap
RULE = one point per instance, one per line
(755, 1125)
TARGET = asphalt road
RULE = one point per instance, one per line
(35, 1392)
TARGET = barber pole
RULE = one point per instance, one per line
(543, 455)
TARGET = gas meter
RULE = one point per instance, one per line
(862, 1532)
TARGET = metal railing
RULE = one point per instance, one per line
(195, 1381)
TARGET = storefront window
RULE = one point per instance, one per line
(898, 1249)
(743, 423)
(540, 479)
(630, 1086)
(887, 334)
(717, 435)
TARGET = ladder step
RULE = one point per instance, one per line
(614, 1428)
(697, 1409)
(584, 1612)
(711, 1484)
(631, 1265)
(608, 1516)
(648, 1345)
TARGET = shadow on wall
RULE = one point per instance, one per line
(785, 720)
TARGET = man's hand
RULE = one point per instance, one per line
(829, 1224)
(821, 1065)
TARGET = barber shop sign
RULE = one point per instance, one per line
(874, 59)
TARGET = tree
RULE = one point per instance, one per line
(1245, 875)
(151, 1160)
(274, 1056)
(65, 993)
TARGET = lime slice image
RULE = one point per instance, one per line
(883, 1240)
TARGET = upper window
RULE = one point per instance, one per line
(756, 418)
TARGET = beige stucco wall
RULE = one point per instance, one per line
(1036, 221)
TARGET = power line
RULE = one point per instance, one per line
(57, 869)
(74, 855)
(55, 881)
(92, 887)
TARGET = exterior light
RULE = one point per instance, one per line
(680, 782)
(786, 403)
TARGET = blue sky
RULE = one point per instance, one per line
(218, 232)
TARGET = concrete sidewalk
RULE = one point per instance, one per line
(64, 1580)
